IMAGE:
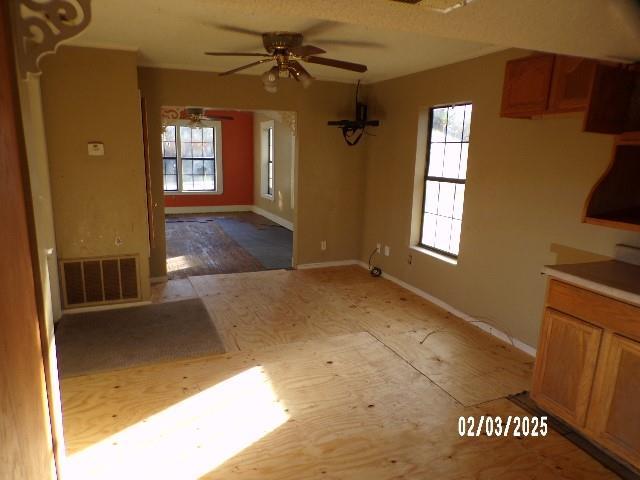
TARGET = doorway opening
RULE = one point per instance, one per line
(228, 182)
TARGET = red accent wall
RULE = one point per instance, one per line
(237, 166)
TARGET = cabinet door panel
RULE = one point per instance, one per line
(611, 95)
(526, 86)
(572, 77)
(615, 414)
(565, 366)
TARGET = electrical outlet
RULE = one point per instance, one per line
(378, 247)
(323, 245)
(387, 250)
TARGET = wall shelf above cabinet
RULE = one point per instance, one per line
(615, 199)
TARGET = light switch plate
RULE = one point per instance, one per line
(95, 149)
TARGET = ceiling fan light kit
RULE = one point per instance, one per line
(287, 50)
(270, 79)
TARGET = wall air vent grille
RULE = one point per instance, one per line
(99, 281)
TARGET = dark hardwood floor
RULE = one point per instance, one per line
(206, 244)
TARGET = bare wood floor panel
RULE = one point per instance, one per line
(172, 290)
(203, 248)
(252, 311)
(343, 407)
(222, 243)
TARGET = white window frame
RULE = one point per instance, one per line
(264, 157)
(441, 179)
(217, 135)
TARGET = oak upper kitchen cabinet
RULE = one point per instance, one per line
(526, 86)
(545, 84)
(587, 369)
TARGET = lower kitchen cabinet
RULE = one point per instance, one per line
(588, 367)
(614, 416)
(564, 375)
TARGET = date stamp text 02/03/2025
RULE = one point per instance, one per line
(503, 427)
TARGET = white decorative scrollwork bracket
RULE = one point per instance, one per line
(290, 118)
(43, 24)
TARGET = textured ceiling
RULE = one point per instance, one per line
(404, 38)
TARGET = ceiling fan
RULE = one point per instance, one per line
(287, 50)
(198, 115)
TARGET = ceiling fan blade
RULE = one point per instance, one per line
(236, 54)
(212, 115)
(246, 31)
(348, 43)
(299, 68)
(330, 62)
(306, 50)
(252, 64)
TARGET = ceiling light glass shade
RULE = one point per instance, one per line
(270, 80)
(270, 76)
(305, 79)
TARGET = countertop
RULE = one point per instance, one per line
(612, 278)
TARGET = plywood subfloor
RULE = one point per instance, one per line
(343, 407)
(252, 311)
(329, 376)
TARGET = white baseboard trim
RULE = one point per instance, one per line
(100, 308)
(162, 279)
(274, 218)
(337, 263)
(520, 345)
(231, 208)
(209, 209)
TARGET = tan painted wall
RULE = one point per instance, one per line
(330, 175)
(92, 95)
(283, 148)
(527, 181)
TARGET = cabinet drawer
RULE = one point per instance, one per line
(594, 308)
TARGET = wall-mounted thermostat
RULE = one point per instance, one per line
(96, 149)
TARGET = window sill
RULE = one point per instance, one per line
(193, 192)
(431, 253)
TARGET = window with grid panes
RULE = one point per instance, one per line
(189, 158)
(170, 159)
(269, 135)
(445, 178)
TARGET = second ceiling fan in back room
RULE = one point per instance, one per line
(287, 50)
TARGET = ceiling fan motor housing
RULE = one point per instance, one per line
(274, 41)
